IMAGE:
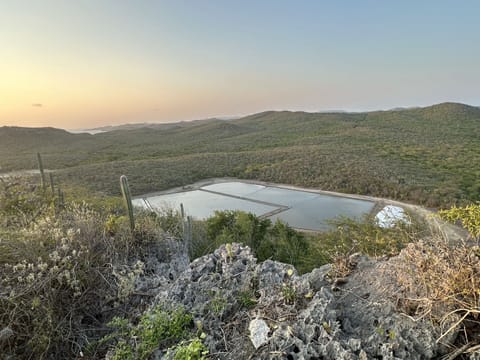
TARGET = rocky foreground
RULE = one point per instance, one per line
(251, 310)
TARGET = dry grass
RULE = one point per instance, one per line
(342, 266)
(441, 281)
(63, 273)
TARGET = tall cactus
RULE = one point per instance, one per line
(52, 185)
(186, 228)
(42, 172)
(61, 202)
(184, 222)
(127, 197)
(182, 211)
(189, 232)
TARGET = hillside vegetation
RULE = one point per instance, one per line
(422, 155)
(68, 266)
(77, 282)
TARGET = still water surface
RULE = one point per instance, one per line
(300, 209)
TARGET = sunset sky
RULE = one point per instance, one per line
(88, 63)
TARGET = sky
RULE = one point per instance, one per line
(89, 63)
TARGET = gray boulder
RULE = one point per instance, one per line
(295, 317)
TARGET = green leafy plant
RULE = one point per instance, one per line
(115, 223)
(190, 350)
(247, 298)
(468, 216)
(217, 303)
(237, 226)
(157, 328)
(326, 326)
(289, 293)
(268, 241)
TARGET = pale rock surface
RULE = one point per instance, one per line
(258, 332)
(390, 216)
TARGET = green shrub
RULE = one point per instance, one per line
(237, 226)
(363, 236)
(157, 328)
(191, 350)
(217, 303)
(468, 216)
(247, 299)
(289, 293)
(287, 245)
(115, 224)
(305, 251)
(278, 242)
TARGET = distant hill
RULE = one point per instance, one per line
(425, 155)
(156, 126)
(19, 139)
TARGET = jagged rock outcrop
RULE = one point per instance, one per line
(309, 317)
(162, 264)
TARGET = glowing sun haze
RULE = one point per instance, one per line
(79, 64)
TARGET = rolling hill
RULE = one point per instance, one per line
(424, 155)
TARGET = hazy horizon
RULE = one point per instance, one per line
(233, 117)
(90, 64)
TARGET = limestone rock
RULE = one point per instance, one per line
(307, 317)
(258, 332)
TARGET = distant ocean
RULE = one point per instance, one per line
(88, 131)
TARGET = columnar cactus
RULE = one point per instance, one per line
(127, 197)
(186, 227)
(61, 202)
(52, 186)
(189, 236)
(184, 221)
(40, 167)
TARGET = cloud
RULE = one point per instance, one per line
(37, 105)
